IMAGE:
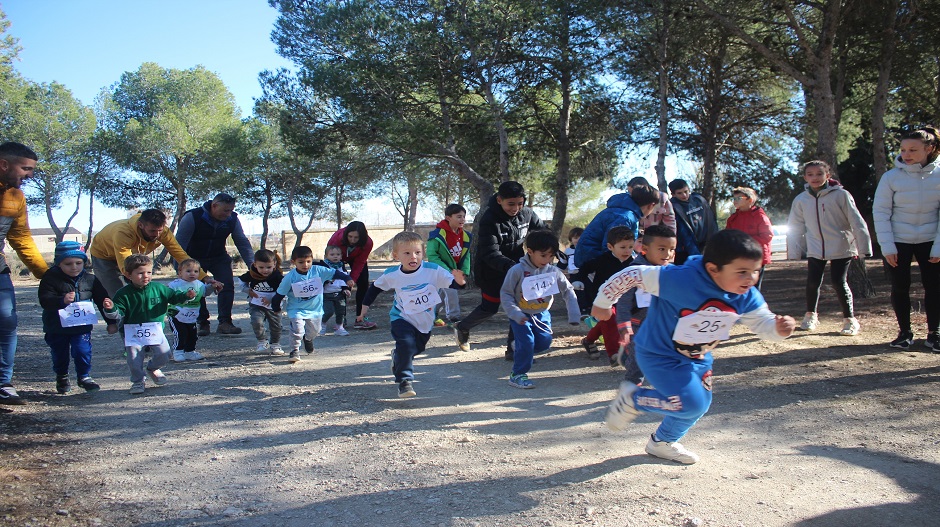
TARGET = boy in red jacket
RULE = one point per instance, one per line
(751, 219)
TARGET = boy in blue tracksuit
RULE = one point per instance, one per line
(693, 308)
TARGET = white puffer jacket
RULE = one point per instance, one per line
(907, 207)
(826, 225)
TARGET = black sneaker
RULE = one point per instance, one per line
(62, 384)
(8, 395)
(405, 389)
(308, 345)
(204, 329)
(510, 354)
(294, 356)
(88, 384)
(933, 340)
(904, 340)
(463, 338)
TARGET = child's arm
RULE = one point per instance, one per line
(51, 299)
(768, 326)
(459, 279)
(339, 275)
(859, 227)
(99, 294)
(625, 305)
(646, 277)
(571, 300)
(371, 294)
(507, 294)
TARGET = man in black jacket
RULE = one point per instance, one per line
(501, 232)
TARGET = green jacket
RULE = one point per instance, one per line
(439, 253)
(148, 304)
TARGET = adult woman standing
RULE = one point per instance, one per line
(356, 244)
(906, 208)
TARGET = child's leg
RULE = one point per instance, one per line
(451, 303)
(839, 272)
(930, 278)
(814, 277)
(408, 343)
(179, 353)
(339, 309)
(296, 333)
(135, 362)
(594, 333)
(312, 328)
(328, 308)
(682, 392)
(81, 354)
(274, 323)
(159, 355)
(524, 347)
(611, 335)
(542, 331)
(257, 315)
(634, 374)
(59, 349)
(188, 335)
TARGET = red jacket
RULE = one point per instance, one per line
(357, 258)
(756, 223)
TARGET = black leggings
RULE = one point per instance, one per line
(901, 284)
(839, 271)
(362, 285)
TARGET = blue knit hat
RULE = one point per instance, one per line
(69, 249)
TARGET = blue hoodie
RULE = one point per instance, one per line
(621, 210)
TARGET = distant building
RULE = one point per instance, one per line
(45, 238)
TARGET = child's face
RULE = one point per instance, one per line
(456, 221)
(303, 264)
(622, 250)
(141, 276)
(742, 202)
(540, 258)
(816, 176)
(409, 255)
(511, 206)
(682, 194)
(737, 276)
(914, 151)
(264, 268)
(334, 255)
(189, 272)
(638, 245)
(573, 241)
(648, 209)
(72, 266)
(660, 251)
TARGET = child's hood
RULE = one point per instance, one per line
(531, 269)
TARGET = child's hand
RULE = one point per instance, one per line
(350, 284)
(347, 292)
(252, 294)
(601, 313)
(459, 277)
(108, 304)
(217, 285)
(785, 325)
(265, 301)
(112, 329)
(577, 286)
(625, 335)
(190, 294)
(68, 298)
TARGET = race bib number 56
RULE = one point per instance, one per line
(307, 288)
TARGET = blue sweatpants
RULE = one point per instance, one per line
(681, 391)
(77, 346)
(530, 338)
(408, 343)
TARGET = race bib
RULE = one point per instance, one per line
(262, 296)
(146, 334)
(307, 288)
(78, 314)
(419, 300)
(539, 286)
(704, 327)
(187, 315)
(643, 298)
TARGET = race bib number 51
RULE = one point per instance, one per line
(539, 286)
(78, 314)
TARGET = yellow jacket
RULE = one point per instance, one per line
(120, 239)
(14, 228)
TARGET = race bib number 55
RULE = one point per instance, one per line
(146, 334)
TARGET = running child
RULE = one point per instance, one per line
(183, 317)
(335, 293)
(261, 282)
(142, 307)
(412, 315)
(303, 289)
(527, 295)
(66, 293)
(449, 247)
(693, 308)
(618, 255)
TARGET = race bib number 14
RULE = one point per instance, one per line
(539, 286)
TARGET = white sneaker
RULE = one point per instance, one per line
(179, 356)
(341, 331)
(850, 326)
(810, 321)
(323, 331)
(157, 377)
(622, 410)
(262, 346)
(276, 350)
(671, 451)
(194, 355)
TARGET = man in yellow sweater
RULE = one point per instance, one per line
(17, 163)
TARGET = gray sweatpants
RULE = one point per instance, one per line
(159, 356)
(106, 271)
(258, 316)
(301, 328)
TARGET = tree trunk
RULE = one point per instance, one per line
(663, 99)
(91, 216)
(563, 144)
(888, 47)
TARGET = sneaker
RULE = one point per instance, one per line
(62, 384)
(591, 349)
(194, 355)
(614, 360)
(671, 451)
(810, 321)
(406, 389)
(622, 411)
(179, 355)
(8, 395)
(323, 331)
(276, 350)
(137, 388)
(933, 341)
(157, 377)
(204, 330)
(294, 356)
(262, 346)
(850, 327)
(88, 384)
(341, 332)
(364, 324)
(227, 328)
(308, 345)
(463, 338)
(521, 381)
(904, 340)
(439, 323)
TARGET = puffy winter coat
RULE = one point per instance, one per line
(500, 243)
(907, 206)
(826, 225)
(621, 210)
(756, 224)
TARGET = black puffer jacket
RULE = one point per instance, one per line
(500, 243)
(54, 285)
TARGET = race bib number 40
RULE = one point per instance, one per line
(419, 300)
(539, 286)
(307, 288)
(146, 334)
(78, 314)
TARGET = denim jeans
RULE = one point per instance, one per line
(221, 269)
(8, 322)
(408, 343)
(78, 346)
(334, 304)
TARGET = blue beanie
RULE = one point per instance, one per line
(69, 249)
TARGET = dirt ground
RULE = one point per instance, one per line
(817, 430)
